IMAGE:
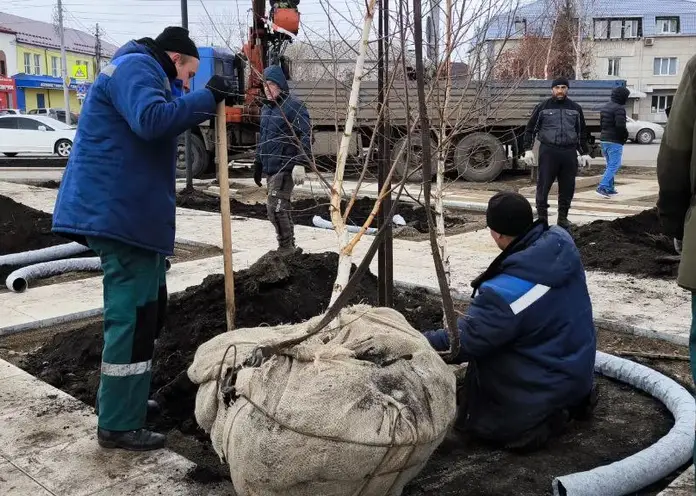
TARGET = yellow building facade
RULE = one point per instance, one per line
(39, 83)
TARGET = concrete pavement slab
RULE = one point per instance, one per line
(14, 482)
(684, 485)
(48, 446)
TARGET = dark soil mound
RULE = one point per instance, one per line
(21, 229)
(304, 210)
(466, 467)
(629, 245)
(51, 184)
(276, 290)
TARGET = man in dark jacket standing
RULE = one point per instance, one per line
(528, 334)
(676, 175)
(118, 197)
(614, 136)
(559, 124)
(282, 153)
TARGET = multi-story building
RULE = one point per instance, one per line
(646, 44)
(8, 67)
(37, 62)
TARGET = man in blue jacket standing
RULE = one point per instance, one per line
(528, 335)
(118, 197)
(283, 151)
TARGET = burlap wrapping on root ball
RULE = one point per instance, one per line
(354, 410)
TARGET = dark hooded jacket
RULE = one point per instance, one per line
(282, 146)
(613, 117)
(528, 336)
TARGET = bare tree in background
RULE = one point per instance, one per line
(559, 43)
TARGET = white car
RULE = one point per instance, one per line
(643, 132)
(35, 134)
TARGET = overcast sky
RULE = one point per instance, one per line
(122, 20)
(127, 19)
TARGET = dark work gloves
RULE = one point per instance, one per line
(258, 171)
(221, 88)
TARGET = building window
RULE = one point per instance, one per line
(665, 66)
(660, 103)
(667, 25)
(37, 64)
(27, 63)
(617, 28)
(55, 67)
(614, 65)
(3, 68)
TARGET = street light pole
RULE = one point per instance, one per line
(64, 64)
(187, 135)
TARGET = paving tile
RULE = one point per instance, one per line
(80, 467)
(8, 370)
(13, 482)
(11, 316)
(35, 416)
(681, 486)
(168, 482)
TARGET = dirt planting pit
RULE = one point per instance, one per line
(304, 209)
(23, 228)
(631, 245)
(293, 289)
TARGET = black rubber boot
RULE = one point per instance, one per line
(138, 440)
(153, 407)
(564, 222)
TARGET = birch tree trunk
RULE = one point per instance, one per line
(345, 258)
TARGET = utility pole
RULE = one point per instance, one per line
(385, 257)
(64, 64)
(97, 50)
(187, 135)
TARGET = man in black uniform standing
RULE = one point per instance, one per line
(560, 126)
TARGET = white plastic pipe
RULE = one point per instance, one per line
(325, 224)
(43, 255)
(18, 281)
(653, 463)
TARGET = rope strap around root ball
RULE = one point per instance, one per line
(375, 473)
(224, 387)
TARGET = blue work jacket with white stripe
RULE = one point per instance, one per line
(120, 180)
(528, 336)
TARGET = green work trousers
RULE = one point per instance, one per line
(135, 300)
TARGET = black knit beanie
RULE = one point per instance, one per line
(509, 213)
(176, 39)
(560, 81)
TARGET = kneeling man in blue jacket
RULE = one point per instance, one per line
(528, 336)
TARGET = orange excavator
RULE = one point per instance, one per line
(269, 36)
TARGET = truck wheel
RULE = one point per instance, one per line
(413, 169)
(198, 152)
(480, 157)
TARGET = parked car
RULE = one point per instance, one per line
(35, 134)
(55, 113)
(643, 132)
(10, 111)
